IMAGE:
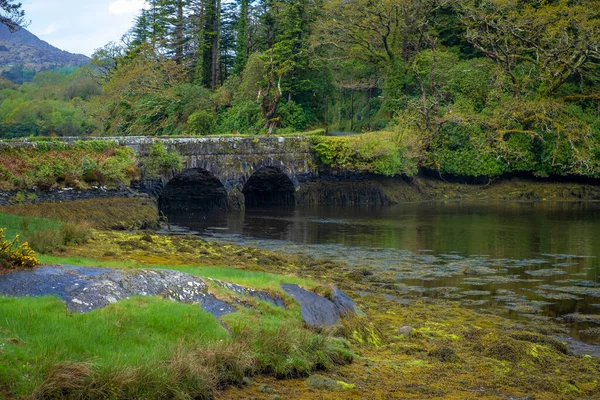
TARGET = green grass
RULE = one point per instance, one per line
(37, 333)
(254, 279)
(147, 347)
(14, 224)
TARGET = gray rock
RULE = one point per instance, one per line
(343, 303)
(318, 311)
(86, 289)
(405, 330)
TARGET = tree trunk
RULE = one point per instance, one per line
(216, 51)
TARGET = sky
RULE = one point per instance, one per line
(80, 26)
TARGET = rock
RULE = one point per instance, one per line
(265, 389)
(86, 289)
(322, 383)
(343, 303)
(318, 311)
(405, 330)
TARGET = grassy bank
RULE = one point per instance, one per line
(116, 213)
(147, 347)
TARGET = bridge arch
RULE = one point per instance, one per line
(269, 185)
(193, 190)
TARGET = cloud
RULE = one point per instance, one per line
(50, 29)
(120, 7)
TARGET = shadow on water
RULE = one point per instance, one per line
(536, 260)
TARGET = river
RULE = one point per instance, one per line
(531, 260)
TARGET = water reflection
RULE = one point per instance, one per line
(534, 259)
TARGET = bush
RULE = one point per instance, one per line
(243, 117)
(14, 255)
(376, 153)
(201, 123)
(160, 161)
(76, 233)
(292, 116)
(45, 241)
(463, 148)
(54, 164)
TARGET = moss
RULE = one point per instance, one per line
(541, 339)
(444, 354)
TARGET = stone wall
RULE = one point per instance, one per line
(59, 195)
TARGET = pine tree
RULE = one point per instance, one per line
(241, 56)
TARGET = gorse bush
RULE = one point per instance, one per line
(16, 255)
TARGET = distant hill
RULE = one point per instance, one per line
(23, 48)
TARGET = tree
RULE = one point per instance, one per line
(559, 39)
(12, 15)
(241, 56)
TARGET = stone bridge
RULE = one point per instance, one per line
(229, 172)
(221, 172)
(235, 172)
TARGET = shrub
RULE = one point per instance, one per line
(160, 161)
(244, 117)
(13, 254)
(54, 164)
(201, 123)
(45, 241)
(76, 233)
(293, 116)
(376, 153)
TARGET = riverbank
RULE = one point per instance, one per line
(376, 190)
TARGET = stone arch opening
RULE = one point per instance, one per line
(193, 190)
(268, 187)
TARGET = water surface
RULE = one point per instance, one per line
(535, 260)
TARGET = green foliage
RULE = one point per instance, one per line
(161, 161)
(243, 117)
(53, 104)
(55, 164)
(293, 116)
(201, 123)
(461, 148)
(471, 88)
(376, 153)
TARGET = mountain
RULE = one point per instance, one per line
(23, 48)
